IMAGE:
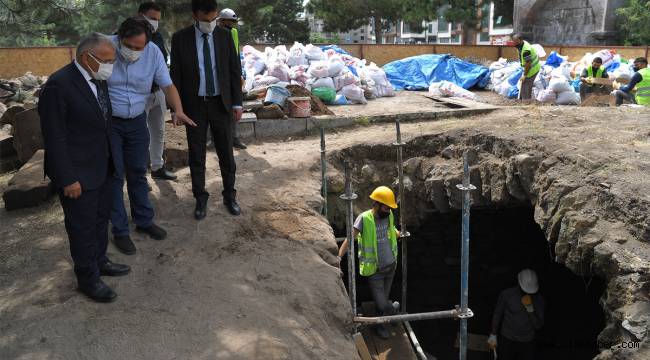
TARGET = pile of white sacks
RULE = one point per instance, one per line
(557, 83)
(311, 67)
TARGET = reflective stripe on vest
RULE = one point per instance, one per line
(599, 72)
(534, 62)
(367, 242)
(235, 39)
(643, 88)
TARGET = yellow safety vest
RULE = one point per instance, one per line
(599, 72)
(367, 242)
(235, 38)
(535, 65)
(642, 88)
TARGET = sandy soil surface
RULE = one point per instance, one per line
(261, 286)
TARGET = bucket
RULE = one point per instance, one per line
(276, 95)
(299, 107)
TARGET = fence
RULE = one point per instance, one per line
(45, 60)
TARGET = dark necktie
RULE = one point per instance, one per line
(102, 97)
(207, 67)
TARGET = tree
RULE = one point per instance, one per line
(345, 15)
(635, 22)
(274, 20)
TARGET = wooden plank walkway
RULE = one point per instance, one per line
(396, 347)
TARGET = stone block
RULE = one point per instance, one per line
(10, 114)
(29, 187)
(177, 158)
(280, 128)
(246, 130)
(6, 145)
(27, 134)
(329, 122)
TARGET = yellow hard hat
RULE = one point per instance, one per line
(384, 195)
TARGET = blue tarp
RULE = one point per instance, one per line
(554, 60)
(514, 78)
(418, 72)
(335, 48)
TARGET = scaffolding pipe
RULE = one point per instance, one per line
(323, 169)
(403, 233)
(465, 187)
(446, 314)
(349, 196)
(414, 340)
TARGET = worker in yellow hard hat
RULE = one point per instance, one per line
(377, 236)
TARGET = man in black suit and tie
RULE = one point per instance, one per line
(206, 70)
(75, 112)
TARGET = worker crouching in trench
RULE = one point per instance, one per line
(377, 236)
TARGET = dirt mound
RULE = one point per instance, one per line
(318, 107)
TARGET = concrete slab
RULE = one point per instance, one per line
(268, 128)
(246, 130)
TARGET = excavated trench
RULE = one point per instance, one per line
(527, 212)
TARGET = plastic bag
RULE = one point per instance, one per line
(554, 59)
(339, 100)
(384, 91)
(314, 53)
(623, 74)
(319, 70)
(575, 84)
(434, 89)
(343, 80)
(539, 50)
(255, 63)
(568, 98)
(559, 84)
(606, 55)
(335, 66)
(563, 70)
(297, 55)
(377, 75)
(547, 96)
(354, 94)
(450, 89)
(513, 92)
(266, 80)
(514, 78)
(322, 83)
(325, 94)
(279, 70)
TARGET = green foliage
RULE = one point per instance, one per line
(64, 22)
(635, 22)
(274, 20)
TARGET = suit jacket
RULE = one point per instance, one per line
(185, 68)
(75, 133)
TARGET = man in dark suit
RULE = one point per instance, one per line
(206, 69)
(75, 112)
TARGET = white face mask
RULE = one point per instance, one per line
(104, 72)
(207, 27)
(130, 55)
(154, 23)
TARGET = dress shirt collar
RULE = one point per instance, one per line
(83, 71)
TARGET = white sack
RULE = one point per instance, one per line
(354, 94)
(546, 96)
(450, 89)
(319, 69)
(568, 98)
(322, 82)
(335, 66)
(559, 84)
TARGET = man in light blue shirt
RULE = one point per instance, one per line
(138, 65)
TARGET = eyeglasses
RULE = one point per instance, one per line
(100, 60)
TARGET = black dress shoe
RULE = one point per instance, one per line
(233, 207)
(163, 174)
(124, 244)
(98, 291)
(154, 231)
(237, 144)
(201, 209)
(112, 269)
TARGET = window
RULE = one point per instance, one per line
(406, 28)
(443, 40)
(483, 38)
(363, 37)
(430, 28)
(502, 14)
(455, 39)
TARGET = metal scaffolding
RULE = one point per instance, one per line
(462, 312)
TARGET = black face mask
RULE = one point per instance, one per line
(636, 68)
(383, 214)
